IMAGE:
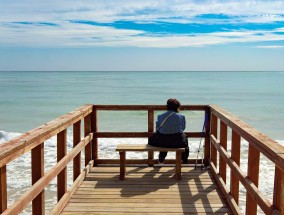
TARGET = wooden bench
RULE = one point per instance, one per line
(123, 148)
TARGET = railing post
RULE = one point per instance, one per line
(223, 142)
(207, 138)
(37, 156)
(150, 129)
(94, 127)
(76, 140)
(235, 154)
(122, 156)
(253, 174)
(3, 189)
(278, 195)
(214, 127)
(87, 130)
(61, 152)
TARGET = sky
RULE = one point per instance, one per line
(141, 35)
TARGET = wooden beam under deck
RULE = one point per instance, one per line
(147, 190)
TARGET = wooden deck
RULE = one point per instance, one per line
(147, 190)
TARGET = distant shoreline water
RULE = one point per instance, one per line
(29, 99)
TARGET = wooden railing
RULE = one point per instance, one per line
(33, 141)
(150, 109)
(257, 143)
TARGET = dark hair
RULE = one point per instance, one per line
(173, 104)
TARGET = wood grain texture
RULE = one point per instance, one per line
(37, 156)
(148, 107)
(61, 152)
(265, 145)
(214, 132)
(3, 189)
(150, 129)
(37, 188)
(278, 196)
(145, 147)
(146, 194)
(66, 197)
(223, 142)
(24, 143)
(251, 188)
(184, 196)
(94, 127)
(236, 156)
(123, 148)
(87, 130)
(76, 140)
(253, 174)
(233, 205)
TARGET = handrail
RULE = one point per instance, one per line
(270, 148)
(215, 141)
(33, 141)
(138, 134)
(37, 188)
(258, 143)
(150, 109)
(147, 107)
(25, 142)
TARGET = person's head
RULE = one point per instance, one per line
(173, 104)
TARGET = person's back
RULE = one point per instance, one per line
(170, 127)
(174, 124)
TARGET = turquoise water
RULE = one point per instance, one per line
(29, 99)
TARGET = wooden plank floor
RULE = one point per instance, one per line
(147, 190)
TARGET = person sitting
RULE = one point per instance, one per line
(170, 128)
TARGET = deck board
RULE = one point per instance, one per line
(147, 190)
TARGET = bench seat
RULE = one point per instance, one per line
(123, 148)
(145, 148)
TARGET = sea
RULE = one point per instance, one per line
(31, 98)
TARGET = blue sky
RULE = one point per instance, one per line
(141, 35)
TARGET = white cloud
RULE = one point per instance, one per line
(74, 34)
(279, 29)
(112, 10)
(65, 34)
(271, 47)
(174, 11)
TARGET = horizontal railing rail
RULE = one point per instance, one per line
(150, 109)
(25, 142)
(139, 134)
(37, 188)
(33, 142)
(258, 143)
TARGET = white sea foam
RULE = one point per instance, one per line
(281, 142)
(6, 136)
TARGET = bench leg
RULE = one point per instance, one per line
(150, 158)
(122, 165)
(178, 165)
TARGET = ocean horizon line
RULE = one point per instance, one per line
(241, 71)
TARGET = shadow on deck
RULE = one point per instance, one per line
(147, 190)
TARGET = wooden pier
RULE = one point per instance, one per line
(147, 189)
